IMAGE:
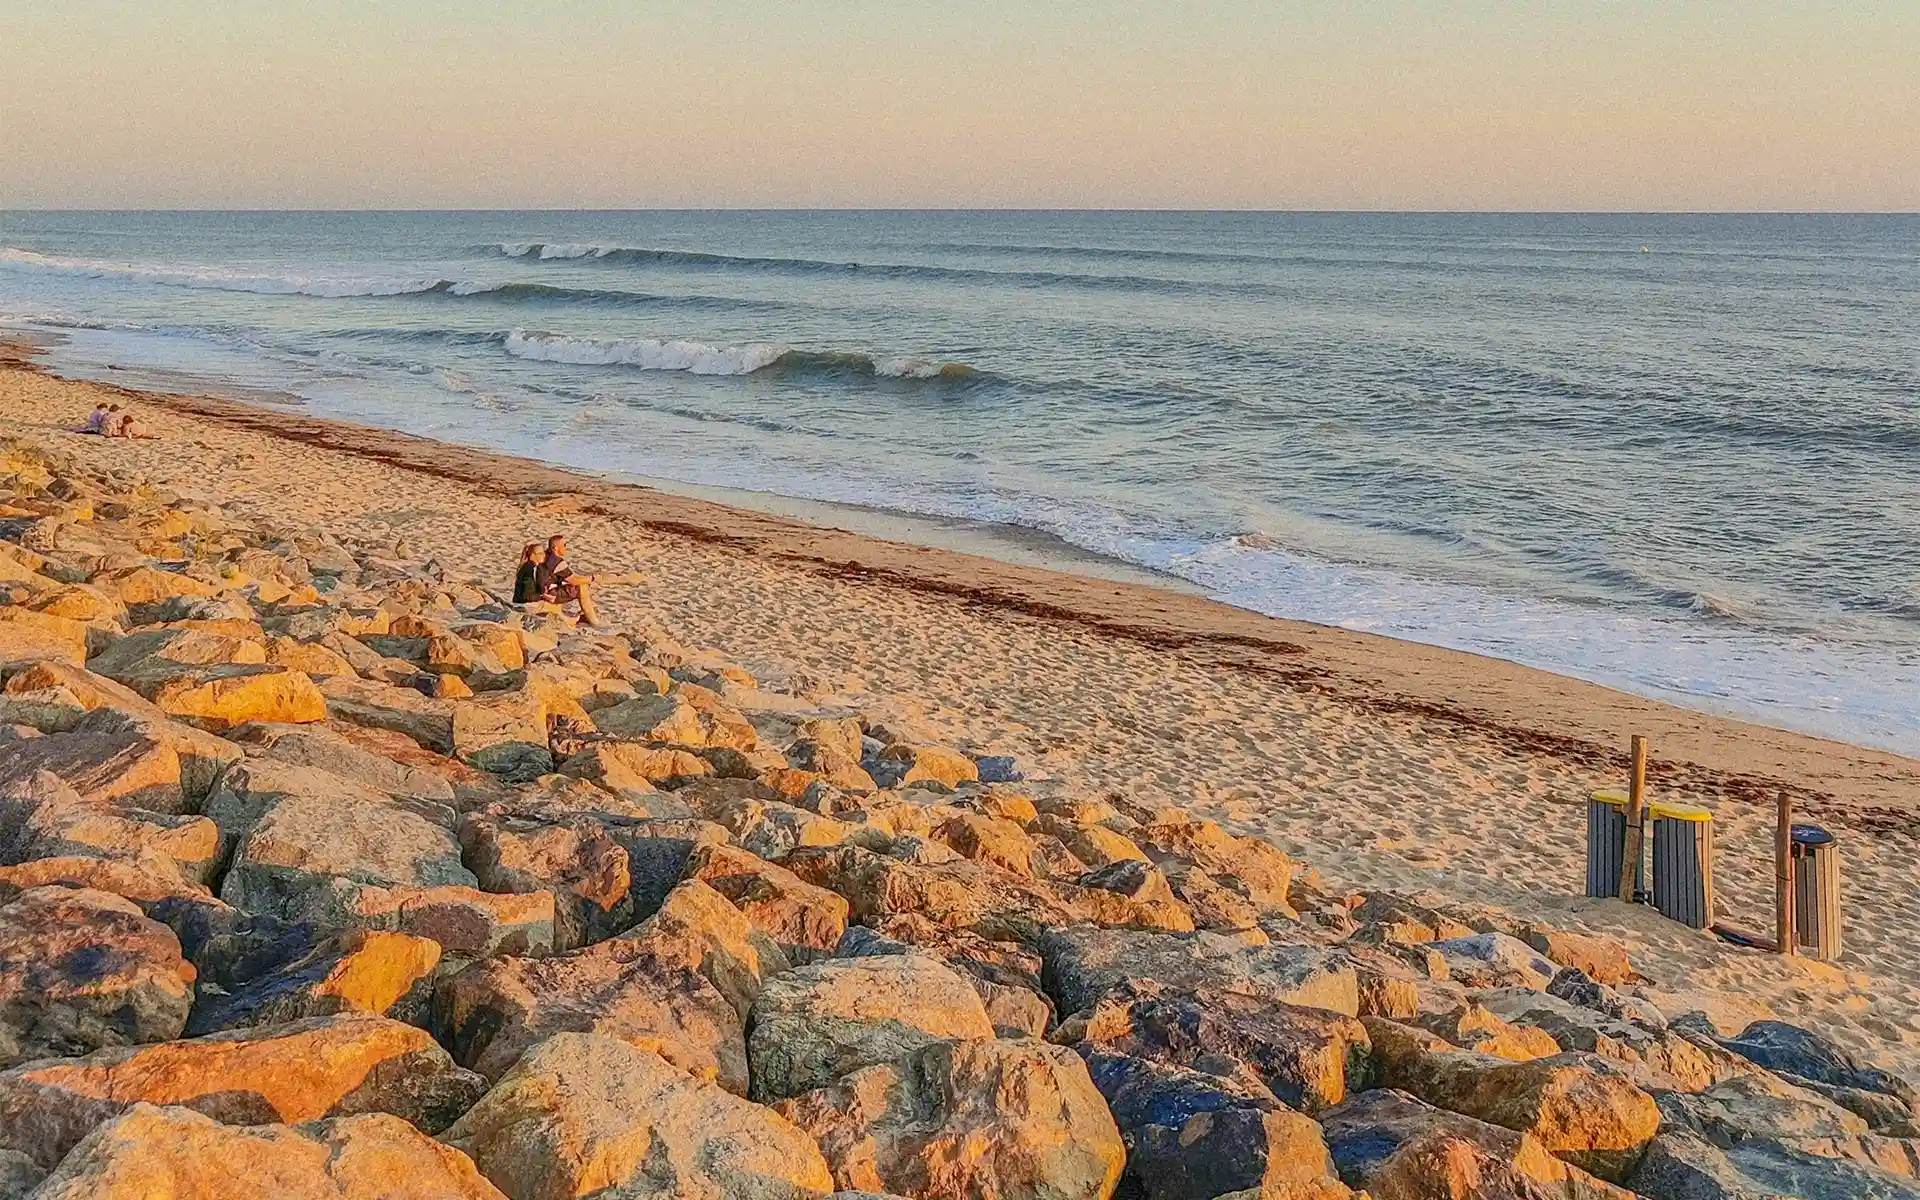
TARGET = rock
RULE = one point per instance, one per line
(658, 851)
(324, 1067)
(1309, 1057)
(504, 733)
(820, 1022)
(174, 1152)
(805, 921)
(83, 602)
(81, 970)
(680, 985)
(385, 974)
(1082, 964)
(930, 763)
(157, 889)
(1395, 1146)
(310, 657)
(1681, 1165)
(149, 587)
(219, 698)
(1663, 1059)
(27, 636)
(584, 1115)
(112, 708)
(465, 922)
(1601, 959)
(1791, 1050)
(1494, 960)
(632, 766)
(42, 817)
(1094, 845)
(775, 830)
(991, 840)
(151, 658)
(128, 768)
(313, 850)
(998, 768)
(1196, 1136)
(1573, 1104)
(999, 1120)
(428, 722)
(1248, 866)
(320, 747)
(579, 863)
(18, 1175)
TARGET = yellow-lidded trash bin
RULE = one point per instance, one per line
(1683, 862)
(1607, 844)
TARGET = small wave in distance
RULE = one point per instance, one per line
(700, 358)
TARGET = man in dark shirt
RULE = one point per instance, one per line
(559, 582)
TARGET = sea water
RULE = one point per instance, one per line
(1675, 454)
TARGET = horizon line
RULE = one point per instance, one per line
(1018, 209)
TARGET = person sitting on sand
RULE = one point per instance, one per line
(526, 581)
(559, 582)
(97, 420)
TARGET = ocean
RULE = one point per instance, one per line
(1679, 455)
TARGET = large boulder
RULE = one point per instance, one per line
(1793, 1051)
(112, 708)
(81, 970)
(322, 748)
(380, 704)
(386, 974)
(158, 889)
(815, 1024)
(1400, 1148)
(27, 636)
(151, 1152)
(577, 861)
(1494, 960)
(128, 768)
(805, 921)
(1083, 963)
(220, 698)
(992, 1119)
(304, 1071)
(41, 817)
(150, 658)
(1194, 1135)
(1683, 1165)
(646, 991)
(1662, 1058)
(319, 841)
(1251, 867)
(1309, 1057)
(1574, 1105)
(582, 1115)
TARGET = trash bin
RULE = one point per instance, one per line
(1816, 891)
(1607, 844)
(1683, 862)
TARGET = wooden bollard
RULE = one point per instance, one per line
(1786, 937)
(1636, 821)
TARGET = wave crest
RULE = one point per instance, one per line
(335, 287)
(700, 358)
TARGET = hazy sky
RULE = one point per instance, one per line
(1694, 104)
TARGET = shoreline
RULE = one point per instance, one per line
(1382, 762)
(1059, 581)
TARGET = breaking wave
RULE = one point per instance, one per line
(700, 358)
(219, 279)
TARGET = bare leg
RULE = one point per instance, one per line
(588, 612)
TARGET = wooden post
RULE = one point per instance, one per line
(1787, 938)
(1636, 821)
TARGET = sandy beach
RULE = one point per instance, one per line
(1380, 762)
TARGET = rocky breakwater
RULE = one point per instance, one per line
(325, 874)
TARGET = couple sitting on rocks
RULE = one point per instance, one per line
(108, 421)
(544, 574)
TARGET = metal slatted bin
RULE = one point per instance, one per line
(1683, 863)
(1607, 843)
(1816, 891)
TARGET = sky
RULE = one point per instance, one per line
(1263, 104)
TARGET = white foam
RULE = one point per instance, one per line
(554, 250)
(648, 354)
(215, 279)
(909, 368)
